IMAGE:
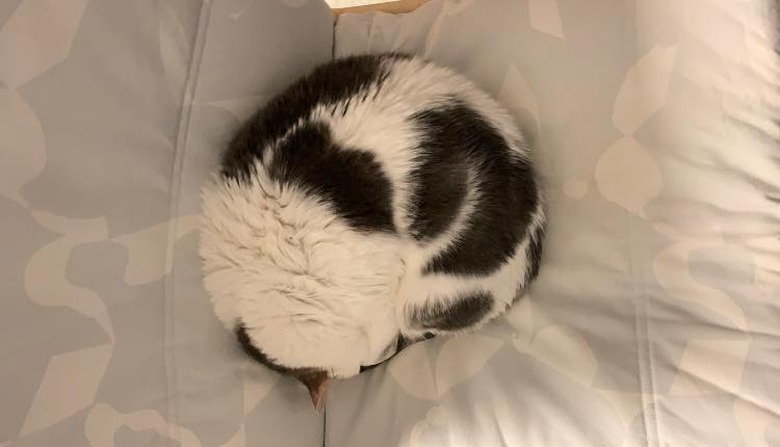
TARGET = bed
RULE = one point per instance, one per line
(654, 320)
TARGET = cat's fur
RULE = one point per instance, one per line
(378, 197)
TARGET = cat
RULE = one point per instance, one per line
(379, 200)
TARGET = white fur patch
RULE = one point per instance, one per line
(311, 291)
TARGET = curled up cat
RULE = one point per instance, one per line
(378, 201)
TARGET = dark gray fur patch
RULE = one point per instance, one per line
(326, 85)
(351, 180)
(534, 253)
(461, 312)
(454, 137)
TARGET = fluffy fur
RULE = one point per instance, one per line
(380, 196)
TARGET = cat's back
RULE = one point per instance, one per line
(399, 146)
(386, 140)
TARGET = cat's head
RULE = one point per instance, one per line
(312, 355)
(312, 328)
(311, 297)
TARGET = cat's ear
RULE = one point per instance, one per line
(317, 384)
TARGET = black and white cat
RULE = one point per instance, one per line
(378, 200)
